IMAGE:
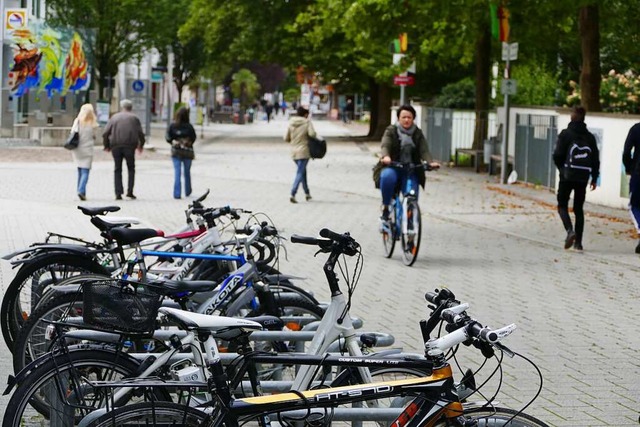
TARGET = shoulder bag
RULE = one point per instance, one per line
(317, 147)
(72, 141)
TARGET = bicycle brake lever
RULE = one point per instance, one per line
(503, 348)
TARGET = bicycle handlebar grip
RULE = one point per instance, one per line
(304, 240)
(269, 231)
(326, 233)
(431, 297)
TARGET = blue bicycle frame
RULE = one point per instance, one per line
(406, 191)
(229, 285)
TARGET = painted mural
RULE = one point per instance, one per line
(47, 60)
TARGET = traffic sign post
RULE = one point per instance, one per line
(508, 87)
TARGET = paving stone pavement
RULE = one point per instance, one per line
(497, 247)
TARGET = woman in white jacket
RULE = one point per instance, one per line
(86, 124)
(298, 133)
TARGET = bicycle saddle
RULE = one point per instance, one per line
(102, 210)
(219, 325)
(127, 236)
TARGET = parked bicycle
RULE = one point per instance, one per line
(431, 400)
(60, 257)
(57, 385)
(405, 222)
(235, 293)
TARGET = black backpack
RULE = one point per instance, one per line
(579, 159)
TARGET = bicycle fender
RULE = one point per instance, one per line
(36, 252)
(12, 381)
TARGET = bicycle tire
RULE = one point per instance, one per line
(29, 402)
(411, 238)
(498, 417)
(17, 305)
(389, 235)
(151, 413)
(31, 341)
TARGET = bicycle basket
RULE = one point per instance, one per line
(120, 306)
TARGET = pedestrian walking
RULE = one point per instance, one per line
(122, 136)
(577, 158)
(298, 132)
(181, 135)
(347, 116)
(276, 108)
(269, 110)
(86, 124)
(631, 162)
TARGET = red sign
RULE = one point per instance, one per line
(404, 80)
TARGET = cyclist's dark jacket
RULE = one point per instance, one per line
(632, 163)
(391, 147)
(576, 130)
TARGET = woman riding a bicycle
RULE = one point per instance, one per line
(402, 142)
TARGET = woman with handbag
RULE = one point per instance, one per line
(86, 125)
(181, 135)
(298, 133)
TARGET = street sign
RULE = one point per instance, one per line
(156, 76)
(137, 85)
(509, 51)
(508, 87)
(405, 80)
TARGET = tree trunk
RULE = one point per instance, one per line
(590, 75)
(483, 87)
(380, 109)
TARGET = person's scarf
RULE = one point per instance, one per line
(407, 145)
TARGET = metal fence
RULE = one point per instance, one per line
(438, 127)
(535, 139)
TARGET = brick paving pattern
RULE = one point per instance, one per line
(497, 247)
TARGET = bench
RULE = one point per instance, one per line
(496, 159)
(221, 117)
(475, 155)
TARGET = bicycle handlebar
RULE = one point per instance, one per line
(454, 313)
(412, 166)
(340, 243)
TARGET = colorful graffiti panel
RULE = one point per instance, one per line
(48, 60)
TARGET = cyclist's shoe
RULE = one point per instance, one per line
(571, 237)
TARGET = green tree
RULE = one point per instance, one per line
(244, 85)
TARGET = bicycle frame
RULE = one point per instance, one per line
(401, 198)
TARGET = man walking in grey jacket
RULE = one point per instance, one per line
(122, 135)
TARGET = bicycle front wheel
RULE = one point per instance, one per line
(411, 232)
(499, 417)
(389, 233)
(151, 414)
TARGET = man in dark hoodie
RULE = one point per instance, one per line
(577, 158)
(631, 162)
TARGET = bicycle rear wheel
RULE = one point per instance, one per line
(151, 414)
(411, 232)
(33, 278)
(389, 233)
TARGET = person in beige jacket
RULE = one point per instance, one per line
(298, 132)
(86, 125)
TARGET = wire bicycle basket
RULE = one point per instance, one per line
(117, 305)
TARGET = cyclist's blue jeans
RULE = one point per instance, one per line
(177, 166)
(301, 177)
(83, 177)
(389, 179)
